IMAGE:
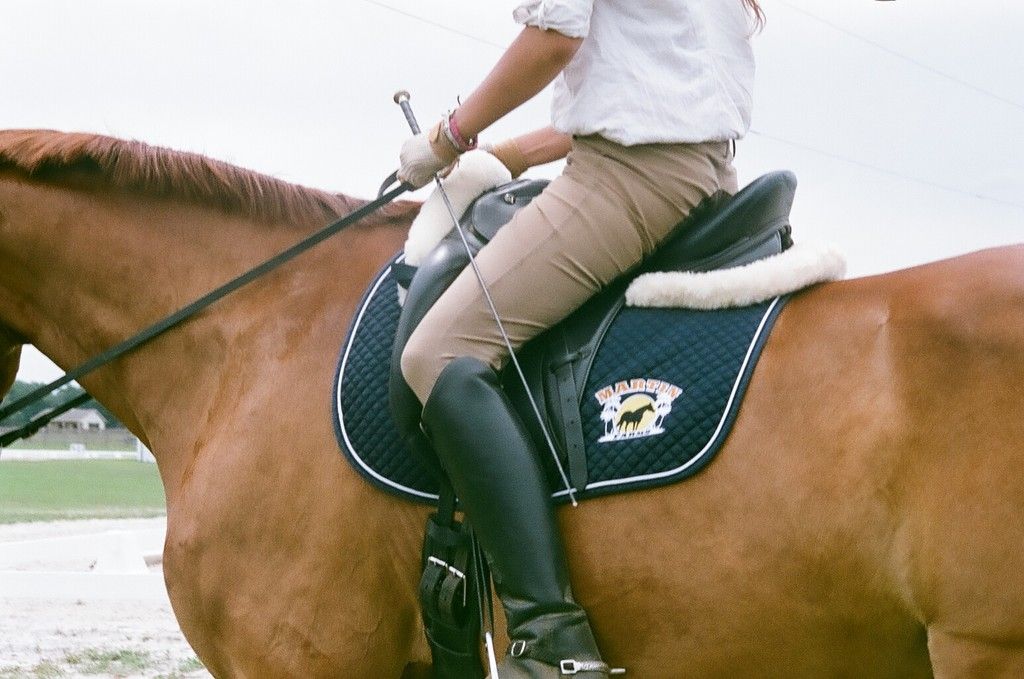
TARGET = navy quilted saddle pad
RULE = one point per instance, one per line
(661, 396)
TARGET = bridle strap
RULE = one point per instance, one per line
(200, 304)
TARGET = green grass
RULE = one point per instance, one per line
(112, 663)
(185, 668)
(79, 489)
(105, 662)
(43, 670)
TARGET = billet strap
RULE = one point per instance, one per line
(448, 569)
(572, 424)
(445, 503)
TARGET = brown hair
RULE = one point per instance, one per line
(756, 10)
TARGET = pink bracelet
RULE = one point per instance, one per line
(451, 129)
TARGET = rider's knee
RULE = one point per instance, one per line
(421, 363)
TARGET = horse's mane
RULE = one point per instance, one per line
(148, 170)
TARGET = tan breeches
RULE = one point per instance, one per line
(605, 213)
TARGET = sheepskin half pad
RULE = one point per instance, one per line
(660, 397)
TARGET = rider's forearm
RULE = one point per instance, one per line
(541, 146)
(528, 65)
(545, 145)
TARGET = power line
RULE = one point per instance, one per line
(781, 140)
(899, 55)
(886, 171)
(435, 24)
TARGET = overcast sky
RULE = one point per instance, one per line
(903, 120)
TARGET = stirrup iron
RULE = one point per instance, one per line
(569, 667)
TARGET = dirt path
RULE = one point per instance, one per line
(58, 618)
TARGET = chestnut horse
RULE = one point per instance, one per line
(865, 518)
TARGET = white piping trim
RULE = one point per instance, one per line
(341, 413)
(714, 436)
(599, 484)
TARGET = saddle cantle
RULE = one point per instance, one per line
(724, 231)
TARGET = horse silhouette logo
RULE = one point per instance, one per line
(635, 408)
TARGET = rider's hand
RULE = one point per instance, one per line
(511, 156)
(424, 155)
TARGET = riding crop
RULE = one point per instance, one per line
(402, 99)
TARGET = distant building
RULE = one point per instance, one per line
(78, 419)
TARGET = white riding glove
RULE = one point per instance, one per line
(424, 155)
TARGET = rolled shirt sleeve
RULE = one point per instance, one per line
(569, 17)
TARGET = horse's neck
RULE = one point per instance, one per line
(91, 270)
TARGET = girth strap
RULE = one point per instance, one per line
(450, 593)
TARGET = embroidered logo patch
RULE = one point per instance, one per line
(635, 408)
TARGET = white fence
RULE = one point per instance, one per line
(78, 451)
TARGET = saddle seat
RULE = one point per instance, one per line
(722, 232)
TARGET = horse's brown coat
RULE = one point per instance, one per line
(864, 518)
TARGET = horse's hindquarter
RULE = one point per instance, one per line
(867, 490)
(962, 348)
(916, 412)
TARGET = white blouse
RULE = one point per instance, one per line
(651, 70)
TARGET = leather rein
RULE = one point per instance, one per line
(384, 196)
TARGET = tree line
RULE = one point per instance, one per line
(48, 402)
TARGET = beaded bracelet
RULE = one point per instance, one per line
(451, 131)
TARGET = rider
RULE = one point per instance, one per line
(648, 98)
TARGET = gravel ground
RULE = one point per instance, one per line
(46, 635)
(55, 529)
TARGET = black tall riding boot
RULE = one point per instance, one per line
(493, 467)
